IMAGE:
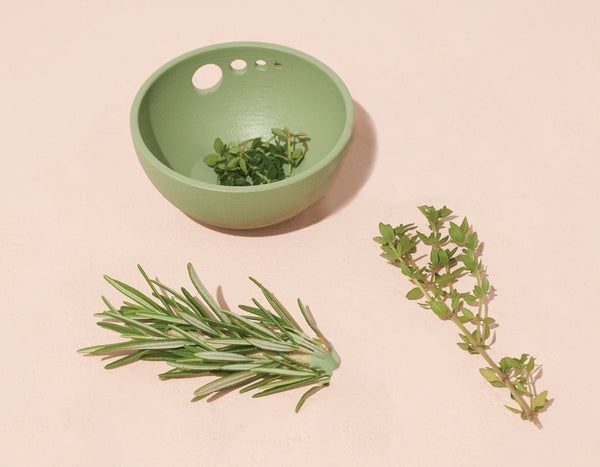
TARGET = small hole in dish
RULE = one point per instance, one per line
(260, 63)
(238, 65)
(207, 77)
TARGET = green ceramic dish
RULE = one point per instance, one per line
(174, 125)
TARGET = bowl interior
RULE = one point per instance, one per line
(278, 87)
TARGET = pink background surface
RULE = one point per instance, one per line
(491, 108)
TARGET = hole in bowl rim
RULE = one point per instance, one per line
(342, 142)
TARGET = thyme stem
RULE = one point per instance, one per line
(427, 292)
(501, 375)
(436, 284)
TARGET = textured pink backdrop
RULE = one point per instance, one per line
(492, 108)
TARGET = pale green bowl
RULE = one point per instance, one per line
(174, 125)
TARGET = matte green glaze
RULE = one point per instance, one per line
(174, 125)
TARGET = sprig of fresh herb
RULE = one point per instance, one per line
(455, 254)
(254, 161)
(262, 350)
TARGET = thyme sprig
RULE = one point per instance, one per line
(254, 161)
(454, 253)
(262, 350)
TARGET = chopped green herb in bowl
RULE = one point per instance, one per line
(255, 162)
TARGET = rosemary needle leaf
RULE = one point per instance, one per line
(279, 309)
(140, 344)
(137, 324)
(174, 293)
(155, 293)
(210, 301)
(133, 294)
(304, 342)
(307, 394)
(283, 371)
(118, 328)
(164, 356)
(273, 346)
(126, 359)
(228, 342)
(265, 350)
(223, 383)
(251, 309)
(200, 311)
(287, 361)
(222, 357)
(279, 382)
(160, 318)
(196, 366)
(198, 323)
(311, 322)
(227, 328)
(109, 305)
(274, 319)
(179, 373)
(191, 337)
(240, 366)
(259, 384)
(250, 324)
(286, 384)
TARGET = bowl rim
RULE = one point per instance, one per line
(143, 150)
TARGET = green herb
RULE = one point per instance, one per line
(453, 254)
(261, 350)
(254, 161)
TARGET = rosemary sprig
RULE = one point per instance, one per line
(262, 350)
(254, 161)
(455, 254)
